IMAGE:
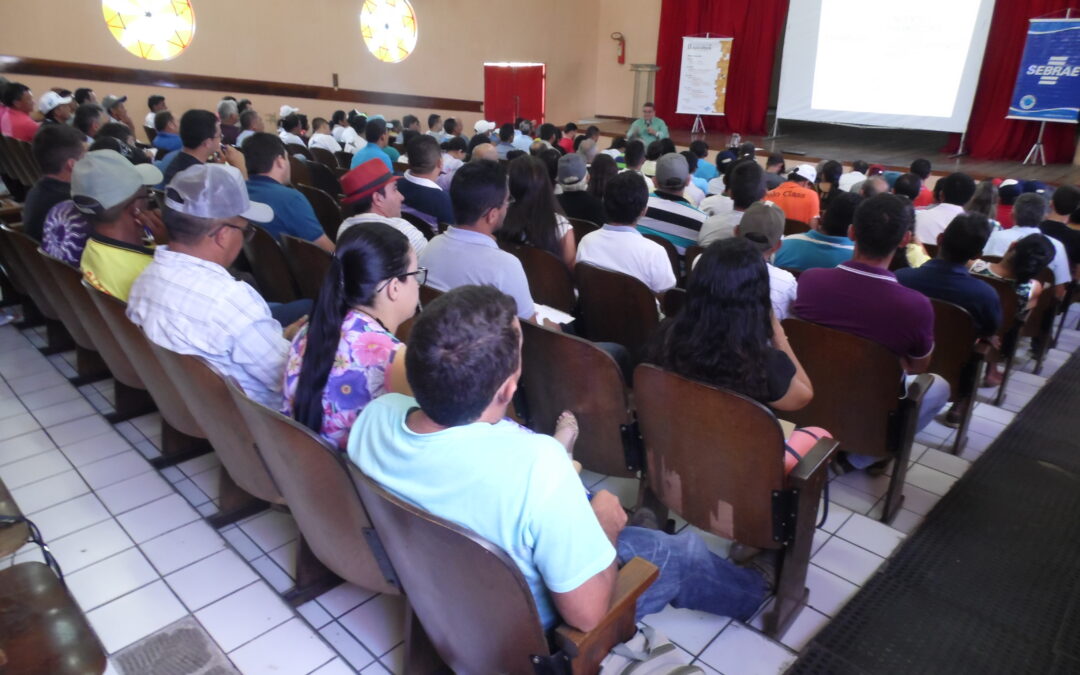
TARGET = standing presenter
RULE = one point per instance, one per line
(649, 128)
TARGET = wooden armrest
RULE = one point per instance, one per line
(587, 650)
(10, 213)
(814, 461)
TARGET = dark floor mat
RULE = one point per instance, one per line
(182, 648)
(990, 583)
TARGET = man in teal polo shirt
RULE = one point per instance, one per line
(828, 246)
(649, 128)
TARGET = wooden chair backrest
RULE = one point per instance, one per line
(151, 133)
(792, 226)
(670, 250)
(615, 307)
(1041, 319)
(472, 600)
(344, 159)
(207, 396)
(308, 264)
(23, 252)
(692, 252)
(34, 260)
(269, 267)
(420, 224)
(298, 170)
(673, 301)
(323, 178)
(550, 282)
(319, 492)
(324, 157)
(7, 162)
(563, 372)
(297, 149)
(1010, 304)
(170, 403)
(714, 457)
(29, 171)
(14, 268)
(69, 281)
(582, 227)
(856, 386)
(326, 209)
(954, 343)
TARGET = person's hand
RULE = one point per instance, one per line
(235, 158)
(610, 513)
(292, 329)
(152, 223)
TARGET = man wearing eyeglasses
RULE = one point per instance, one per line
(186, 300)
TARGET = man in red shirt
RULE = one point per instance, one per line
(795, 197)
(16, 123)
(921, 168)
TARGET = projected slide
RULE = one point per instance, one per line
(913, 64)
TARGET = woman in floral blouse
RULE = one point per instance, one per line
(348, 355)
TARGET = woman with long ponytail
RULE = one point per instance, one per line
(347, 355)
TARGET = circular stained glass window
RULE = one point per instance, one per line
(389, 29)
(156, 30)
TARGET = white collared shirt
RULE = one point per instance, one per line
(287, 138)
(193, 306)
(460, 257)
(352, 140)
(337, 131)
(622, 248)
(324, 141)
(782, 290)
(932, 221)
(850, 178)
(999, 243)
(417, 180)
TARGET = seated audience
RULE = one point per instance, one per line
(506, 140)
(377, 138)
(856, 175)
(347, 355)
(567, 140)
(484, 128)
(1063, 203)
(619, 246)
(270, 174)
(229, 115)
(289, 130)
(250, 123)
(535, 217)
(467, 253)
(747, 185)
(763, 225)
(826, 246)
(452, 128)
(908, 185)
(615, 150)
(84, 95)
(724, 161)
(352, 139)
(705, 170)
(601, 171)
(774, 171)
(575, 199)
(423, 196)
(634, 160)
(320, 136)
(201, 138)
(669, 215)
(18, 101)
(523, 135)
(1008, 191)
(862, 297)
(55, 108)
(156, 104)
(1029, 211)
(727, 336)
(453, 156)
(186, 300)
(695, 189)
(372, 196)
(463, 364)
(587, 149)
(112, 193)
(828, 179)
(339, 122)
(482, 152)
(985, 202)
(796, 198)
(167, 138)
(435, 127)
(56, 148)
(951, 193)
(921, 168)
(117, 111)
(1022, 263)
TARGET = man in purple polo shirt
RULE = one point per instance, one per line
(862, 297)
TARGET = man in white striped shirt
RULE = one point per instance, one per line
(186, 300)
(668, 214)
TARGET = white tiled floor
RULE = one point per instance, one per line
(139, 556)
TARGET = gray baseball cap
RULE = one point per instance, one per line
(103, 179)
(214, 191)
(763, 224)
(672, 170)
(110, 101)
(571, 169)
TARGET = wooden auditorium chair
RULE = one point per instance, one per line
(957, 358)
(419, 223)
(326, 209)
(323, 177)
(1040, 322)
(549, 280)
(615, 307)
(269, 267)
(582, 227)
(324, 157)
(717, 459)
(1009, 331)
(19, 283)
(308, 264)
(297, 149)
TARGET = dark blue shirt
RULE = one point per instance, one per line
(427, 199)
(292, 211)
(953, 283)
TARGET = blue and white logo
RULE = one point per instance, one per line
(1027, 102)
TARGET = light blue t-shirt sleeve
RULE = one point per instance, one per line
(570, 547)
(516, 285)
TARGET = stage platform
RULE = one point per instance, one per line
(811, 142)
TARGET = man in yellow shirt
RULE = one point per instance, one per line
(112, 193)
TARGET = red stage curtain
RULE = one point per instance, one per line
(756, 27)
(990, 135)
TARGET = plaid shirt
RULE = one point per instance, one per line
(193, 306)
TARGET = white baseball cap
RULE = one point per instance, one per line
(806, 171)
(287, 110)
(483, 126)
(214, 191)
(50, 100)
(103, 179)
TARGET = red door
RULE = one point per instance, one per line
(514, 90)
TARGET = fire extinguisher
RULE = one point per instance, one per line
(620, 48)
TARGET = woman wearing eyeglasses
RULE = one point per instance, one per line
(347, 355)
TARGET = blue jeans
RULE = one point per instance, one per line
(691, 576)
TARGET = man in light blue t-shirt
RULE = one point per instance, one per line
(452, 452)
